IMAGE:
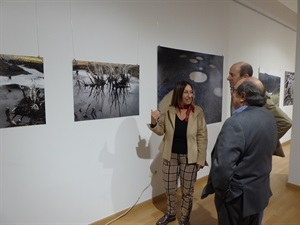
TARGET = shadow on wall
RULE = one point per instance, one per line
(151, 152)
(127, 169)
(129, 163)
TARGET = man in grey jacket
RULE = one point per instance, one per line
(241, 160)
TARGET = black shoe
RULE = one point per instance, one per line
(166, 219)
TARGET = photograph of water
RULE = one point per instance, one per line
(272, 86)
(22, 95)
(105, 90)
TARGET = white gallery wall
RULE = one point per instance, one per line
(294, 169)
(68, 172)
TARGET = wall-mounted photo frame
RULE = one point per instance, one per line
(105, 90)
(22, 91)
(271, 84)
(203, 71)
(288, 88)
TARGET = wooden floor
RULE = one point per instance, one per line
(283, 209)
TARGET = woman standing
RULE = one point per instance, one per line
(183, 149)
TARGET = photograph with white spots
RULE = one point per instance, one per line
(203, 71)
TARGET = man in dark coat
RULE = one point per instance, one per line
(241, 160)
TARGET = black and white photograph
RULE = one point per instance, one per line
(272, 86)
(105, 90)
(288, 88)
(203, 71)
(22, 95)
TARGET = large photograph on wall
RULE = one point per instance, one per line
(271, 84)
(22, 95)
(288, 88)
(105, 90)
(203, 71)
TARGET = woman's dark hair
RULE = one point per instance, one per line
(178, 92)
(253, 95)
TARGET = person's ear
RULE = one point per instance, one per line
(243, 97)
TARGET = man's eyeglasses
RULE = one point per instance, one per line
(232, 90)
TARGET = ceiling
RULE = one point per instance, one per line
(281, 11)
(291, 4)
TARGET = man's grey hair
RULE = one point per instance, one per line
(254, 96)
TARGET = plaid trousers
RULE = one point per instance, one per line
(178, 167)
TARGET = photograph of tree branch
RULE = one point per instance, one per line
(105, 90)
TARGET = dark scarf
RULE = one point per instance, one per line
(188, 108)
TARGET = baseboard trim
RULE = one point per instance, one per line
(294, 186)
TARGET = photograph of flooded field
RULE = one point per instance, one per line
(22, 98)
(105, 90)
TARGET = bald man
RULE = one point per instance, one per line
(256, 82)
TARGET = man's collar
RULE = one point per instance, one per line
(241, 109)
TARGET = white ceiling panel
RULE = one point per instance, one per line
(291, 4)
